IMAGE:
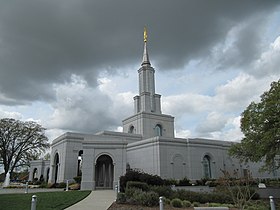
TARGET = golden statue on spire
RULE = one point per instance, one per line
(145, 35)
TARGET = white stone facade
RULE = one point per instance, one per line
(147, 143)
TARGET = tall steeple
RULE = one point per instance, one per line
(147, 101)
(148, 120)
(145, 60)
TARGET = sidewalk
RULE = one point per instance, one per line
(97, 200)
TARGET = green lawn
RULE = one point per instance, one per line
(45, 200)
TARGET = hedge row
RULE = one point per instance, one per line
(135, 175)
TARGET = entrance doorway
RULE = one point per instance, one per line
(104, 172)
(56, 166)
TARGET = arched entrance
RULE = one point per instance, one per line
(104, 172)
(56, 165)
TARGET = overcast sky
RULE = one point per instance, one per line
(72, 65)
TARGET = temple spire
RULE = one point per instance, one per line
(145, 60)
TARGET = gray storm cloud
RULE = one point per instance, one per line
(44, 42)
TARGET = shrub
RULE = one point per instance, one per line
(166, 201)
(184, 182)
(130, 191)
(196, 204)
(139, 185)
(61, 185)
(78, 179)
(134, 175)
(214, 205)
(43, 185)
(164, 191)
(187, 203)
(121, 198)
(170, 182)
(149, 199)
(137, 196)
(176, 202)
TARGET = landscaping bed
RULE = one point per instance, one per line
(116, 206)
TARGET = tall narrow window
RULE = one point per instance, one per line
(158, 130)
(207, 166)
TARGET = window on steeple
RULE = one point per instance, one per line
(131, 129)
(158, 130)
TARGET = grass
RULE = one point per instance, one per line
(45, 200)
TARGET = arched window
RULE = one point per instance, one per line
(131, 129)
(207, 166)
(35, 174)
(158, 130)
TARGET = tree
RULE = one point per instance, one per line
(260, 124)
(20, 142)
(239, 188)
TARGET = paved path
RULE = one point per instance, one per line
(96, 200)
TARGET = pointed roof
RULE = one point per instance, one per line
(145, 60)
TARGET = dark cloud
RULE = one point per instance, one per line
(44, 42)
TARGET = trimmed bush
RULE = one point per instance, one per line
(166, 201)
(139, 197)
(164, 191)
(134, 175)
(176, 202)
(187, 203)
(121, 198)
(139, 185)
(61, 185)
(170, 182)
(184, 182)
(149, 199)
(196, 204)
(78, 179)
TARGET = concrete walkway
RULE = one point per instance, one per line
(96, 200)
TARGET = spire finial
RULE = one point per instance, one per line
(145, 60)
(145, 34)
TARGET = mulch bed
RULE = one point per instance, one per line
(116, 206)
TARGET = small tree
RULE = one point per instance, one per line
(20, 142)
(239, 188)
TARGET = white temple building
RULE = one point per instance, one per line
(146, 143)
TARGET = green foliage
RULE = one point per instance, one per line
(176, 202)
(150, 198)
(184, 182)
(202, 197)
(167, 201)
(135, 175)
(78, 179)
(43, 185)
(164, 191)
(139, 197)
(45, 200)
(139, 185)
(187, 203)
(196, 204)
(20, 142)
(58, 185)
(121, 198)
(170, 182)
(260, 123)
